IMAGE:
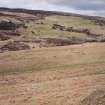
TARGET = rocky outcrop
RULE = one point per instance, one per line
(57, 26)
(5, 35)
(63, 41)
(77, 30)
(10, 25)
(48, 42)
(9, 29)
(14, 46)
(70, 29)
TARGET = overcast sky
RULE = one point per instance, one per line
(90, 7)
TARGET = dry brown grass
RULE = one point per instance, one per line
(52, 76)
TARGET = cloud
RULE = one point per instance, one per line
(93, 7)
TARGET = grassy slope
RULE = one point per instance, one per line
(46, 28)
(77, 22)
(51, 76)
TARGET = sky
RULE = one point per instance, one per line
(88, 7)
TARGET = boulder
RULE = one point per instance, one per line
(10, 25)
(57, 26)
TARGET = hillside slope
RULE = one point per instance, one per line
(51, 58)
(22, 29)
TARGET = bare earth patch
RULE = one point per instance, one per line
(53, 76)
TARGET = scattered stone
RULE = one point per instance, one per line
(4, 37)
(14, 46)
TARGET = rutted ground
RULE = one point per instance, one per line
(70, 75)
